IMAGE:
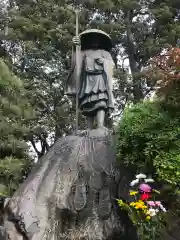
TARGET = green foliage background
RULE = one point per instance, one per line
(15, 116)
(149, 139)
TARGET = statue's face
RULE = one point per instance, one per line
(95, 44)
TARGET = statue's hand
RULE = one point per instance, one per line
(76, 40)
(99, 61)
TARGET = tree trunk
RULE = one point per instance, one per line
(137, 90)
(70, 194)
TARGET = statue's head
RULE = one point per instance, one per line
(95, 39)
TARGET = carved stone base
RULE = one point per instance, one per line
(70, 193)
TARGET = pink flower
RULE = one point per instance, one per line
(151, 203)
(145, 188)
(158, 203)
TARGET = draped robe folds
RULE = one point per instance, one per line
(95, 81)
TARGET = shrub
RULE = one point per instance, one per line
(149, 138)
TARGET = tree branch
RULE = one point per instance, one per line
(34, 146)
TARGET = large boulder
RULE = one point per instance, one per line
(70, 193)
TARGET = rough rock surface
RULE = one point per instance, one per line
(70, 193)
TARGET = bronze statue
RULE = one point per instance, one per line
(95, 79)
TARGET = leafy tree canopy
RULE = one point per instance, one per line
(15, 116)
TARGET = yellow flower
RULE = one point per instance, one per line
(133, 193)
(148, 217)
(140, 205)
(132, 204)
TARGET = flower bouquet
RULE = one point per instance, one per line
(145, 212)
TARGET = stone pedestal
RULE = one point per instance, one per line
(70, 193)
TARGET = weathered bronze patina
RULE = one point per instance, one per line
(95, 79)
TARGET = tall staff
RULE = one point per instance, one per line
(77, 68)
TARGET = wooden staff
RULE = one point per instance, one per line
(77, 69)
